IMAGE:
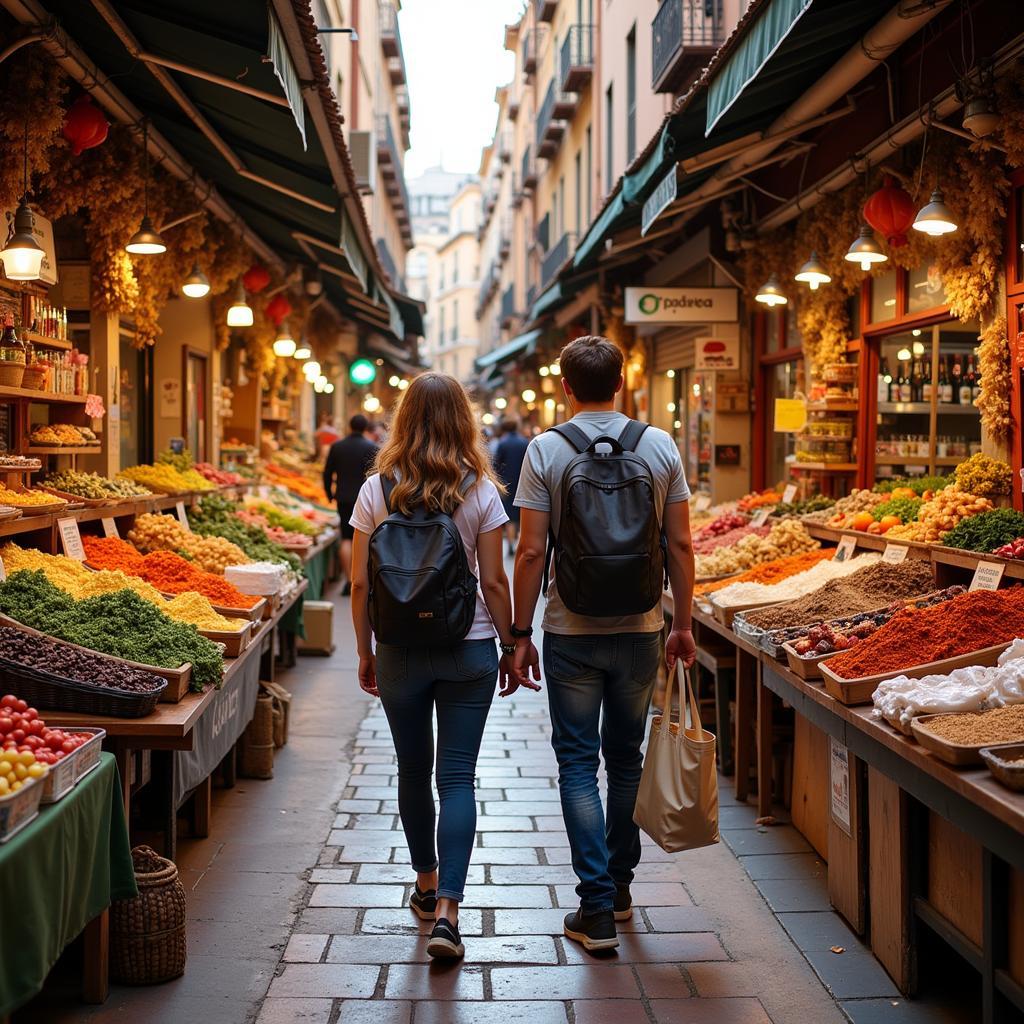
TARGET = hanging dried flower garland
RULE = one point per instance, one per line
(996, 381)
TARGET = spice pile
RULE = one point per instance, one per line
(770, 572)
(981, 728)
(793, 586)
(121, 623)
(982, 618)
(156, 532)
(868, 588)
(24, 499)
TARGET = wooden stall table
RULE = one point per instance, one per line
(58, 877)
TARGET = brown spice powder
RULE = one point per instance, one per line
(980, 728)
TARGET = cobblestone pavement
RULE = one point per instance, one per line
(702, 946)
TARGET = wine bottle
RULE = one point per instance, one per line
(956, 377)
(906, 388)
(945, 387)
(884, 380)
(926, 383)
(973, 377)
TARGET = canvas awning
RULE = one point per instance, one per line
(523, 345)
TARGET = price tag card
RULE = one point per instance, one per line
(71, 539)
(895, 553)
(3, 570)
(789, 494)
(110, 528)
(179, 507)
(760, 517)
(703, 502)
(845, 549)
(987, 576)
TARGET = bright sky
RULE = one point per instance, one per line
(455, 59)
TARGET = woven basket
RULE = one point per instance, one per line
(147, 934)
(256, 747)
(11, 374)
(282, 708)
(34, 378)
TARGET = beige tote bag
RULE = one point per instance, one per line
(677, 805)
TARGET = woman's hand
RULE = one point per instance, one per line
(508, 677)
(368, 675)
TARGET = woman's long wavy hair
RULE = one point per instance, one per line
(435, 442)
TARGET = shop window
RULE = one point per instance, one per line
(924, 289)
(791, 338)
(883, 297)
(853, 312)
(782, 382)
(195, 404)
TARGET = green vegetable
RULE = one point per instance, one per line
(801, 508)
(987, 531)
(918, 484)
(180, 462)
(905, 508)
(120, 623)
(214, 516)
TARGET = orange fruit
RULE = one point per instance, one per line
(888, 522)
(861, 521)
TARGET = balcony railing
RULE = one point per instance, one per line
(546, 9)
(514, 105)
(530, 53)
(684, 34)
(518, 195)
(488, 287)
(528, 175)
(505, 146)
(555, 257)
(389, 159)
(390, 39)
(396, 70)
(508, 306)
(577, 58)
(387, 261)
(550, 128)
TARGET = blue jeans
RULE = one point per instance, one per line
(459, 683)
(599, 692)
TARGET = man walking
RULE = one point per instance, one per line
(349, 461)
(618, 529)
(508, 464)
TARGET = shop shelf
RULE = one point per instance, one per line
(833, 406)
(825, 467)
(42, 341)
(32, 449)
(953, 409)
(905, 408)
(918, 460)
(41, 396)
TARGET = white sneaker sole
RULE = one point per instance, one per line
(423, 915)
(589, 944)
(624, 915)
(444, 949)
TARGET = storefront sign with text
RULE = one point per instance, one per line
(681, 305)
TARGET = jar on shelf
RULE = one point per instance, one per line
(12, 356)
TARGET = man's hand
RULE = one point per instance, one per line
(509, 680)
(527, 664)
(680, 647)
(368, 675)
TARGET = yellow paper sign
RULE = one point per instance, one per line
(790, 415)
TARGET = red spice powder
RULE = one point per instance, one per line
(911, 637)
(172, 574)
(112, 553)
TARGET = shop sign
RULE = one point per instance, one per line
(789, 494)
(721, 351)
(71, 539)
(43, 231)
(681, 305)
(661, 198)
(110, 527)
(845, 549)
(727, 454)
(895, 553)
(170, 397)
(839, 764)
(987, 576)
(790, 415)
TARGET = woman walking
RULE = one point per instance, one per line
(411, 579)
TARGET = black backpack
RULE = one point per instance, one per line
(610, 550)
(422, 592)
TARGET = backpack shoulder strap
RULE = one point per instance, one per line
(631, 434)
(571, 433)
(387, 485)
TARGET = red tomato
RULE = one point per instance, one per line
(6, 725)
(21, 705)
(31, 714)
(18, 735)
(34, 742)
(68, 746)
(35, 727)
(9, 701)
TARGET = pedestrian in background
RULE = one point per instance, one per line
(430, 521)
(612, 493)
(508, 464)
(348, 463)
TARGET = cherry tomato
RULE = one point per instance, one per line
(34, 742)
(9, 701)
(68, 746)
(21, 705)
(18, 735)
(6, 725)
(31, 714)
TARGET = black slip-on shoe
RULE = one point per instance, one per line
(623, 903)
(445, 941)
(595, 932)
(423, 904)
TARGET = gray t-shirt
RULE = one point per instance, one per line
(540, 488)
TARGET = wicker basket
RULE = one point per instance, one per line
(256, 747)
(147, 934)
(34, 378)
(11, 374)
(282, 708)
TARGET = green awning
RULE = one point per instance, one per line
(523, 345)
(551, 298)
(412, 315)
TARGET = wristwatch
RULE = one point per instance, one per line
(508, 649)
(521, 634)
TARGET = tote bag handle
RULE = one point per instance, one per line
(687, 690)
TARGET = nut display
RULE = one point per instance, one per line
(786, 538)
(938, 516)
(858, 500)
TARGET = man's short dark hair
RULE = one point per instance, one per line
(509, 425)
(358, 424)
(592, 367)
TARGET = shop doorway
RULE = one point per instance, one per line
(195, 412)
(134, 399)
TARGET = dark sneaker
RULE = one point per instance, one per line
(623, 903)
(595, 932)
(346, 591)
(423, 904)
(445, 941)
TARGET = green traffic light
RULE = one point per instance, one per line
(362, 372)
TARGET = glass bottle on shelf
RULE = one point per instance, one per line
(973, 379)
(906, 389)
(916, 383)
(945, 385)
(955, 376)
(884, 381)
(926, 383)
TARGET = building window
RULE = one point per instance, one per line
(455, 319)
(440, 333)
(455, 268)
(631, 95)
(561, 206)
(609, 139)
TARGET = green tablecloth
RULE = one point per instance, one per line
(316, 572)
(56, 875)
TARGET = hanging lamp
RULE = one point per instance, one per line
(146, 241)
(22, 256)
(284, 344)
(197, 284)
(770, 293)
(303, 352)
(240, 312)
(813, 273)
(935, 218)
(865, 249)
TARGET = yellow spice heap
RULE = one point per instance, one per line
(73, 578)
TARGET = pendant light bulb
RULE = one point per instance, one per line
(303, 352)
(284, 345)
(240, 312)
(865, 249)
(311, 370)
(328, 388)
(197, 284)
(146, 241)
(935, 218)
(813, 273)
(22, 256)
(770, 293)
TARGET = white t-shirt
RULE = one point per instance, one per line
(481, 512)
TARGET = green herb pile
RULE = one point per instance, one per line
(987, 531)
(918, 484)
(800, 508)
(180, 461)
(214, 516)
(120, 623)
(905, 508)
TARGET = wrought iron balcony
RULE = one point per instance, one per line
(528, 175)
(685, 34)
(514, 105)
(488, 286)
(550, 127)
(505, 146)
(389, 159)
(577, 58)
(508, 306)
(546, 9)
(518, 195)
(556, 257)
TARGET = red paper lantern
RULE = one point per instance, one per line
(84, 125)
(278, 308)
(891, 211)
(256, 278)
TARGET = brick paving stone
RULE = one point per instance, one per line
(528, 808)
(377, 1012)
(678, 919)
(609, 1011)
(504, 823)
(534, 839)
(662, 981)
(645, 894)
(369, 822)
(327, 921)
(528, 793)
(709, 1011)
(523, 855)
(362, 853)
(404, 873)
(364, 837)
(547, 922)
(664, 947)
(357, 896)
(722, 979)
(593, 981)
(491, 1013)
(335, 876)
(306, 949)
(377, 769)
(411, 949)
(508, 896)
(554, 874)
(418, 983)
(295, 1011)
(326, 981)
(404, 922)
